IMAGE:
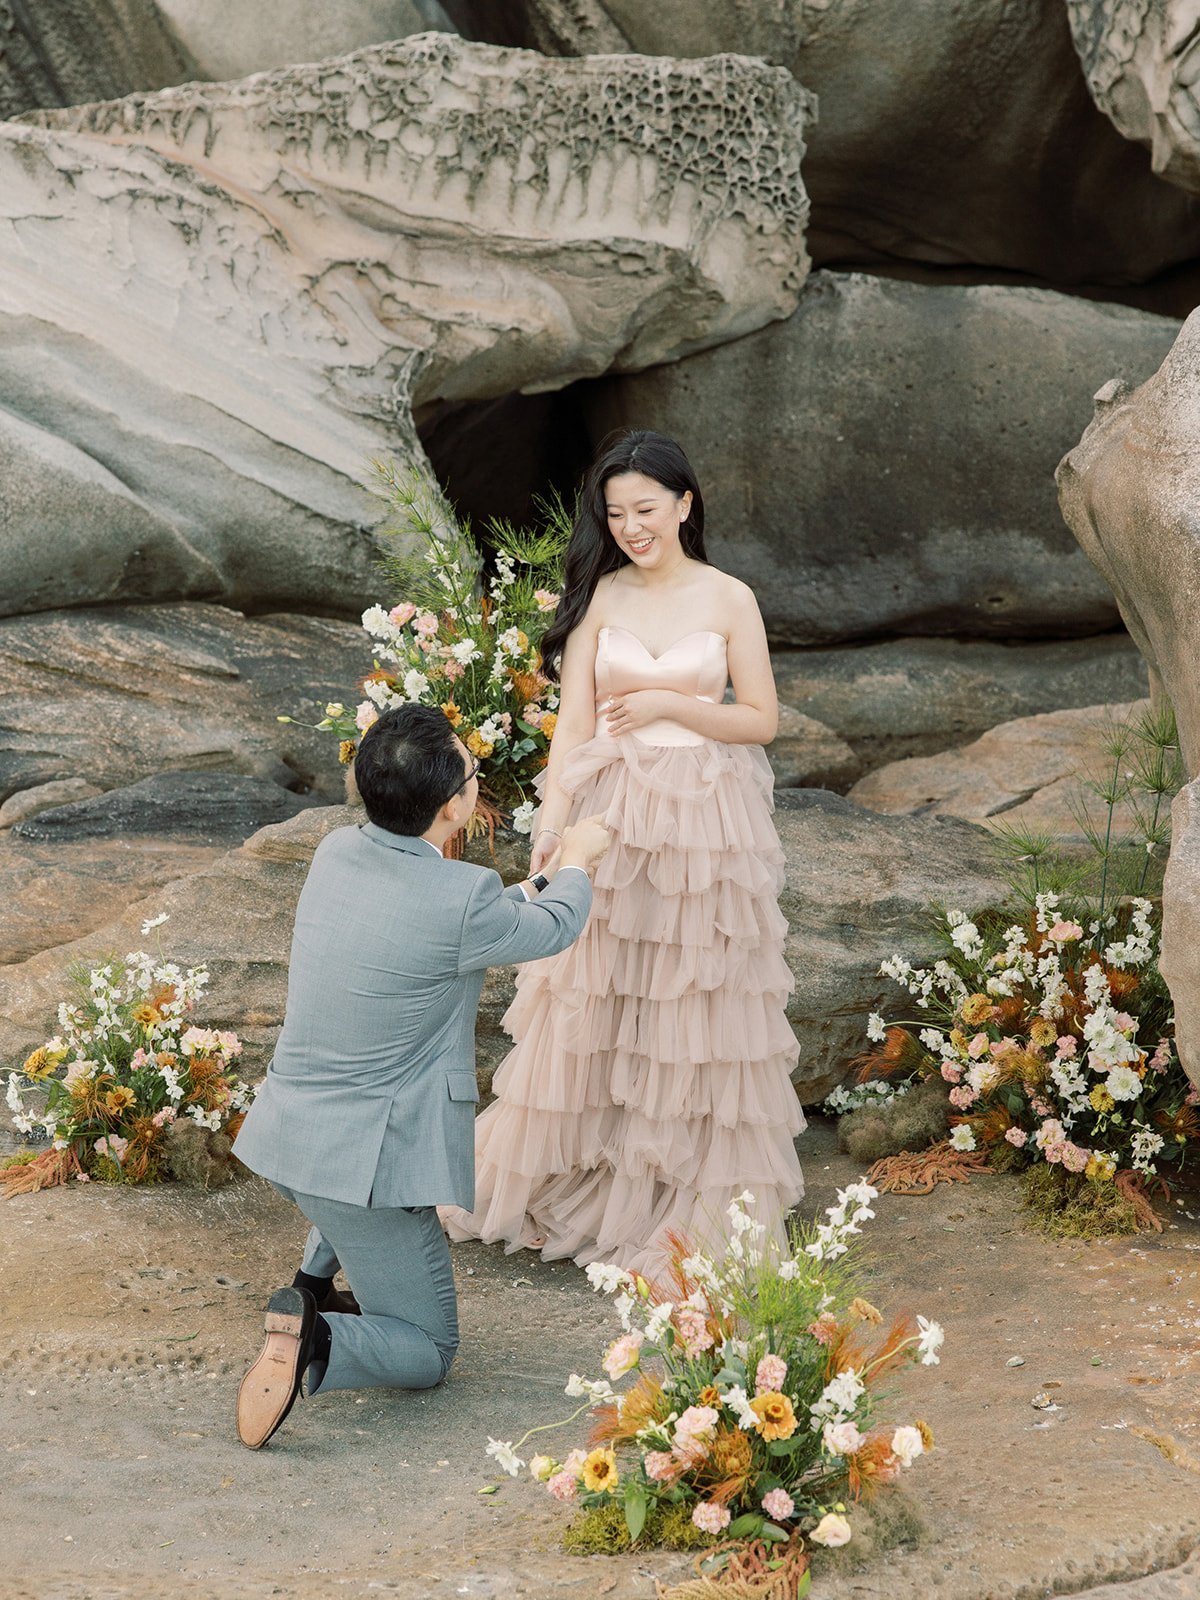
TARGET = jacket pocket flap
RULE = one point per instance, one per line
(462, 1086)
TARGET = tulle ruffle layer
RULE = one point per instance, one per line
(650, 1079)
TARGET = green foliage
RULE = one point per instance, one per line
(911, 1121)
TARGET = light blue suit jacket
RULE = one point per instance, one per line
(370, 1097)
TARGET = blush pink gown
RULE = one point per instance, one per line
(650, 1078)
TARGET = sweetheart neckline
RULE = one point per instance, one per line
(696, 633)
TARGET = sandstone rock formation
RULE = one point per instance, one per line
(65, 52)
(1130, 492)
(857, 888)
(231, 39)
(949, 134)
(217, 302)
(117, 694)
(1181, 926)
(913, 697)
(805, 753)
(881, 461)
(1142, 61)
(210, 808)
(1026, 773)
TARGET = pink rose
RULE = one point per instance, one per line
(951, 1073)
(563, 1485)
(1067, 1045)
(841, 1438)
(778, 1504)
(977, 1046)
(1015, 1136)
(623, 1354)
(366, 716)
(769, 1375)
(1054, 1152)
(533, 715)
(403, 613)
(709, 1517)
(660, 1465)
(139, 1058)
(546, 599)
(1064, 932)
(453, 670)
(1122, 1022)
(697, 1422)
(1041, 1107)
(963, 1097)
(426, 624)
(1002, 1047)
(161, 1118)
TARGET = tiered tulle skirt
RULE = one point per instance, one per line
(650, 1081)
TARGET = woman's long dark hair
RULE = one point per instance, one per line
(593, 551)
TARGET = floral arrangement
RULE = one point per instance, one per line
(1054, 1041)
(127, 1090)
(466, 640)
(749, 1405)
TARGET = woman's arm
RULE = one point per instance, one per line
(575, 726)
(753, 719)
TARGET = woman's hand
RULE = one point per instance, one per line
(626, 712)
(546, 846)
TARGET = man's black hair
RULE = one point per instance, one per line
(408, 765)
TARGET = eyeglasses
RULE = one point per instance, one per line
(474, 773)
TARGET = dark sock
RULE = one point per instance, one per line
(319, 1360)
(317, 1287)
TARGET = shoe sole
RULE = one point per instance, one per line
(268, 1391)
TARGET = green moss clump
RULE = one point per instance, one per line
(196, 1155)
(22, 1159)
(914, 1121)
(1066, 1205)
(601, 1530)
(887, 1522)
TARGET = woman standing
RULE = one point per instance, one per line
(650, 1079)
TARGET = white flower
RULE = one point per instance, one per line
(962, 1138)
(377, 622)
(415, 684)
(931, 1038)
(586, 1389)
(832, 1531)
(465, 652)
(932, 1337)
(504, 1454)
(965, 936)
(907, 1445)
(739, 1403)
(155, 922)
(838, 1399)
(789, 1269)
(523, 817)
(1123, 1083)
(1095, 986)
(875, 1027)
(607, 1277)
(658, 1321)
(1146, 1144)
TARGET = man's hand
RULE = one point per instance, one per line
(626, 712)
(584, 843)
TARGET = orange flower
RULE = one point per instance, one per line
(478, 746)
(710, 1396)
(548, 724)
(776, 1419)
(116, 1100)
(347, 750)
(976, 1008)
(926, 1433)
(452, 713)
(147, 1015)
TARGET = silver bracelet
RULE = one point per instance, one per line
(541, 831)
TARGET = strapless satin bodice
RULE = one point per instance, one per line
(695, 665)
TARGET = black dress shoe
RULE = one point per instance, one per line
(271, 1385)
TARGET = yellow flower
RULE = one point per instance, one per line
(1043, 1033)
(452, 713)
(926, 1433)
(146, 1015)
(548, 724)
(346, 751)
(709, 1396)
(976, 1009)
(958, 1039)
(1100, 1099)
(600, 1472)
(1101, 1168)
(477, 746)
(776, 1419)
(865, 1310)
(116, 1100)
(40, 1064)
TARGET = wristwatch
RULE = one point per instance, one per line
(540, 881)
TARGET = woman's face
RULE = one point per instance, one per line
(644, 518)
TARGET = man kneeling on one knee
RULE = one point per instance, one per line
(366, 1116)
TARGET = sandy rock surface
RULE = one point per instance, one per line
(948, 133)
(1181, 925)
(1026, 773)
(910, 697)
(219, 302)
(885, 466)
(65, 52)
(130, 1315)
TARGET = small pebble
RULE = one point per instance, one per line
(1015, 1361)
